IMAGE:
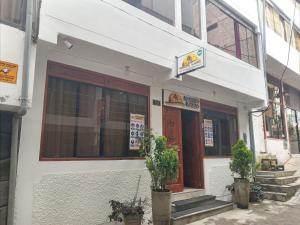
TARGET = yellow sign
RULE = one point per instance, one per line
(8, 72)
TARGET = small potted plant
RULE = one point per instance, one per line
(241, 165)
(162, 163)
(131, 212)
(256, 193)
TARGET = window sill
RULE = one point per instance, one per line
(217, 157)
(89, 158)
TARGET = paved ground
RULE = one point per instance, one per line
(265, 213)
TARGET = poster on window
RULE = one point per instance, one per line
(208, 133)
(137, 126)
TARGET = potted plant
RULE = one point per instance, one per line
(241, 165)
(131, 212)
(162, 163)
(256, 193)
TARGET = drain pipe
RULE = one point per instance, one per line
(17, 119)
(26, 59)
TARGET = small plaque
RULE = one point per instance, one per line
(156, 102)
(8, 72)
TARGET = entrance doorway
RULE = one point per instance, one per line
(182, 129)
(293, 118)
(5, 146)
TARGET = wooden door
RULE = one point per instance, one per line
(172, 130)
(191, 148)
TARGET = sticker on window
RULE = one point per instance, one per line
(137, 126)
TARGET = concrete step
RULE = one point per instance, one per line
(276, 180)
(290, 189)
(188, 193)
(276, 196)
(206, 209)
(191, 203)
(273, 174)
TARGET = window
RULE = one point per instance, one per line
(278, 23)
(13, 12)
(297, 39)
(163, 10)
(220, 129)
(190, 14)
(228, 34)
(273, 116)
(85, 120)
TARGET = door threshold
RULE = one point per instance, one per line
(188, 193)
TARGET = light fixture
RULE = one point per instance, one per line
(68, 44)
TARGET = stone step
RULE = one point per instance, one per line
(191, 203)
(290, 189)
(187, 194)
(272, 174)
(276, 196)
(276, 180)
(207, 209)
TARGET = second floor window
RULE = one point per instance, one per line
(163, 10)
(278, 23)
(12, 12)
(230, 35)
(190, 14)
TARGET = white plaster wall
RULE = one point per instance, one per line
(12, 50)
(123, 28)
(279, 148)
(216, 176)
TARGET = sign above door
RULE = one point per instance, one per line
(190, 61)
(182, 101)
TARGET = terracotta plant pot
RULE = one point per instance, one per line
(242, 189)
(161, 208)
(133, 220)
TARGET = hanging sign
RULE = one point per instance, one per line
(8, 72)
(191, 61)
(179, 100)
(208, 133)
(137, 127)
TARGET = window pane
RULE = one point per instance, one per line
(190, 14)
(83, 120)
(297, 40)
(13, 12)
(220, 29)
(247, 44)
(163, 10)
(224, 132)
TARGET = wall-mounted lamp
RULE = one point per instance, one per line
(68, 44)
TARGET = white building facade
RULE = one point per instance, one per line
(94, 65)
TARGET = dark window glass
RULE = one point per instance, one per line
(225, 134)
(13, 12)
(163, 10)
(190, 14)
(273, 117)
(230, 35)
(84, 120)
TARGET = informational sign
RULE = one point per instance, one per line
(191, 61)
(8, 72)
(137, 127)
(179, 100)
(208, 133)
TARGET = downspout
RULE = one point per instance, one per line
(26, 59)
(17, 119)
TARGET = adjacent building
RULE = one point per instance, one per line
(97, 67)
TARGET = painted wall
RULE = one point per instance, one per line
(69, 192)
(12, 50)
(123, 28)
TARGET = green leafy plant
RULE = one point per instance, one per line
(135, 207)
(258, 191)
(161, 161)
(242, 161)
